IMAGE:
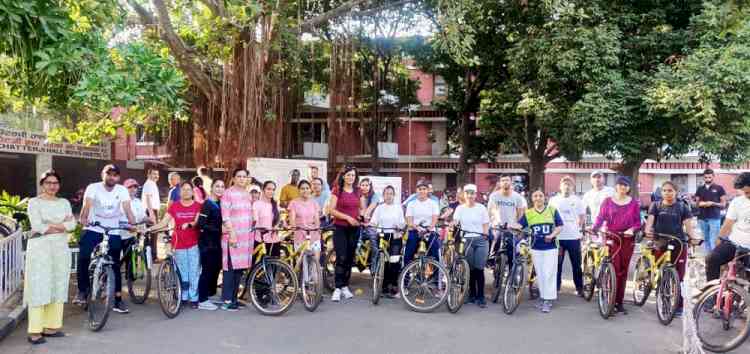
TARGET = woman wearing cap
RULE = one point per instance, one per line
(237, 243)
(621, 215)
(389, 215)
(345, 208)
(47, 260)
(139, 211)
(473, 217)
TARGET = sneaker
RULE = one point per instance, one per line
(336, 297)
(229, 307)
(546, 306)
(347, 294)
(194, 305)
(579, 292)
(678, 312)
(469, 300)
(621, 308)
(481, 303)
(539, 304)
(80, 299)
(208, 305)
(241, 305)
(120, 307)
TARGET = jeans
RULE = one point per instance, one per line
(210, 268)
(710, 229)
(189, 263)
(86, 245)
(231, 282)
(345, 244)
(412, 244)
(573, 247)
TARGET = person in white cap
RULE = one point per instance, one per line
(473, 217)
(594, 198)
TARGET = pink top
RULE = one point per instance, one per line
(236, 210)
(306, 216)
(619, 218)
(347, 203)
(263, 217)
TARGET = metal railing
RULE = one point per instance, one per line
(11, 265)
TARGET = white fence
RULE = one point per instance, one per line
(11, 265)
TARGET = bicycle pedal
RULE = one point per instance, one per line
(419, 301)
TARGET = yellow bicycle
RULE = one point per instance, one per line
(307, 267)
(660, 273)
(599, 272)
(521, 272)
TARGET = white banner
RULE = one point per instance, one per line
(379, 183)
(279, 170)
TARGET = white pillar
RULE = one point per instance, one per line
(43, 163)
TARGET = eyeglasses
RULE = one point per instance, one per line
(133, 186)
(52, 183)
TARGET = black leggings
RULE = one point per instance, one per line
(392, 270)
(345, 244)
(210, 268)
(722, 254)
(476, 284)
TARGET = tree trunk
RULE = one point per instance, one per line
(463, 164)
(537, 165)
(630, 169)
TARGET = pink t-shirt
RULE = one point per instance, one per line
(263, 217)
(184, 239)
(306, 213)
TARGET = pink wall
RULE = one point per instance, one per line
(426, 82)
(420, 145)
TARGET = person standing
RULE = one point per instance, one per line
(736, 227)
(473, 217)
(315, 174)
(199, 193)
(139, 212)
(237, 243)
(390, 216)
(711, 198)
(506, 207)
(305, 213)
(175, 180)
(622, 216)
(104, 203)
(47, 268)
(289, 192)
(345, 208)
(266, 215)
(594, 198)
(545, 224)
(209, 245)
(151, 193)
(573, 213)
(319, 196)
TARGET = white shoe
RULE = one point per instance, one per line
(336, 297)
(347, 294)
(208, 305)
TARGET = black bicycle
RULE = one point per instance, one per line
(101, 296)
(272, 282)
(384, 254)
(499, 262)
(424, 282)
(169, 281)
(459, 267)
(136, 263)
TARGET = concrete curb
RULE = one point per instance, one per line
(14, 318)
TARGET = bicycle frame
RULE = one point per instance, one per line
(655, 264)
(730, 277)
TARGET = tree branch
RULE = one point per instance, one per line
(311, 24)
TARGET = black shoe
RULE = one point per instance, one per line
(121, 307)
(37, 341)
(469, 300)
(57, 334)
(579, 292)
(481, 303)
(194, 305)
(620, 308)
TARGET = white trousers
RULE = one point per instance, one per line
(545, 264)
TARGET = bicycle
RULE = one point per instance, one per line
(599, 272)
(517, 277)
(458, 268)
(272, 282)
(328, 258)
(724, 301)
(424, 276)
(169, 280)
(308, 269)
(377, 269)
(660, 273)
(137, 264)
(101, 296)
(499, 264)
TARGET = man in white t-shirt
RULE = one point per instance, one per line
(104, 203)
(421, 211)
(573, 213)
(506, 207)
(736, 226)
(150, 193)
(594, 198)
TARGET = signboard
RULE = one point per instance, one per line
(279, 170)
(19, 141)
(379, 183)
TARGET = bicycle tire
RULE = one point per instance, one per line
(499, 274)
(98, 313)
(459, 283)
(243, 285)
(169, 289)
(141, 263)
(667, 295)
(263, 287)
(514, 287)
(420, 265)
(312, 289)
(589, 280)
(642, 280)
(377, 278)
(329, 270)
(607, 290)
(699, 313)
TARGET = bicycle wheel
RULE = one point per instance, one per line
(589, 280)
(514, 285)
(499, 274)
(169, 288)
(329, 270)
(424, 284)
(725, 329)
(607, 290)
(378, 275)
(311, 284)
(459, 285)
(667, 295)
(273, 287)
(642, 281)
(139, 278)
(101, 296)
(244, 285)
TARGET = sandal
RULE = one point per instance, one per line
(37, 341)
(57, 334)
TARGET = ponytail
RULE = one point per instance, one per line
(274, 204)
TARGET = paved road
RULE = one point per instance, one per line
(574, 326)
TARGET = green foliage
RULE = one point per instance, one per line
(14, 207)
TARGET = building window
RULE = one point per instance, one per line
(441, 89)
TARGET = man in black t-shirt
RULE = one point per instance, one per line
(711, 198)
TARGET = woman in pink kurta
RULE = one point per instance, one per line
(237, 241)
(266, 215)
(303, 213)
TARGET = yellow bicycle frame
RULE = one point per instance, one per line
(655, 264)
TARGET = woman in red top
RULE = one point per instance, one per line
(185, 241)
(345, 209)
